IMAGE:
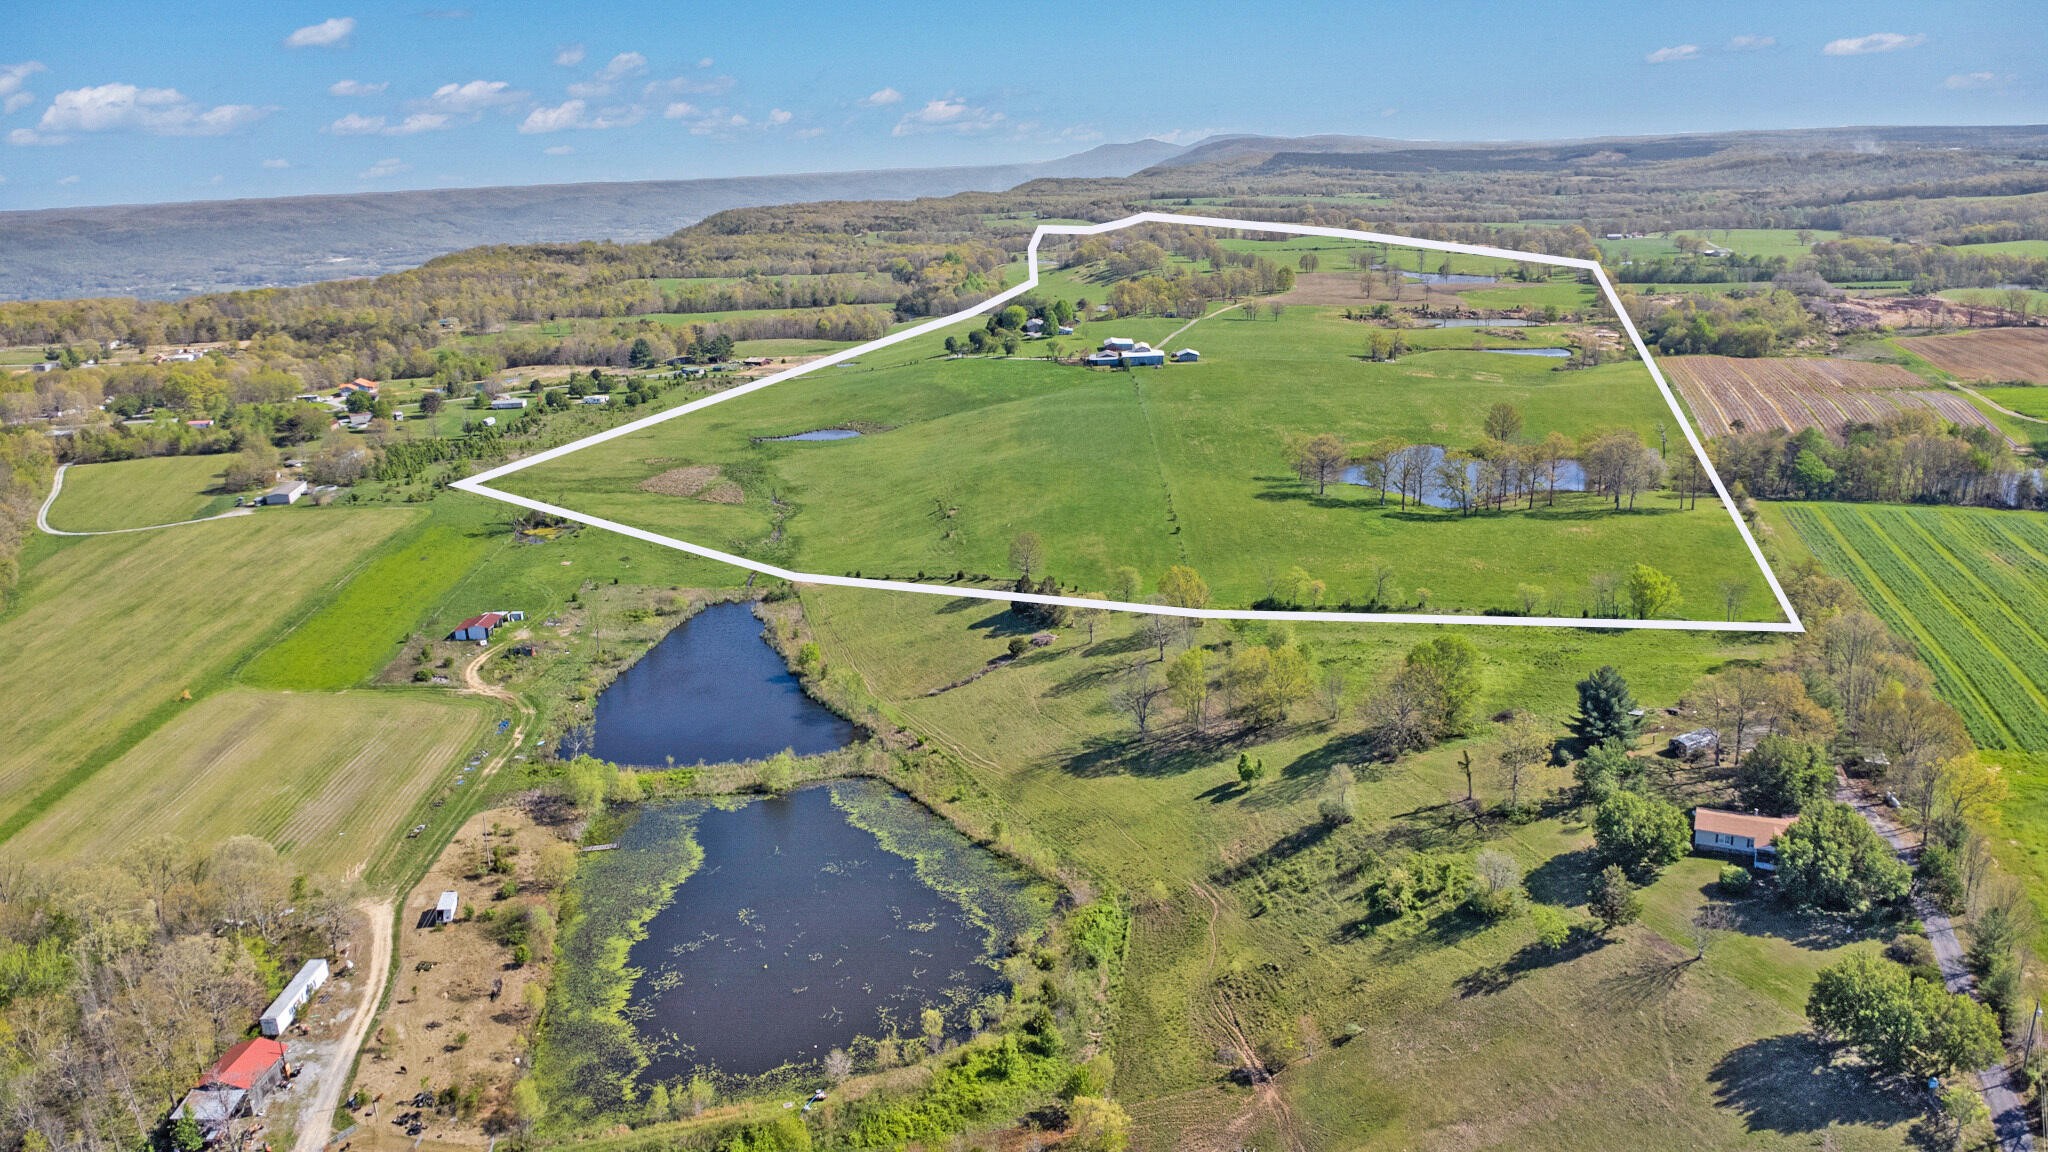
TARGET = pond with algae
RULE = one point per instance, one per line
(838, 912)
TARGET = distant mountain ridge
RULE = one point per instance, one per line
(163, 250)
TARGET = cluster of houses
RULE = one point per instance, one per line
(1123, 352)
(242, 1081)
(1036, 327)
(479, 628)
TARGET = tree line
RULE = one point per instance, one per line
(1911, 456)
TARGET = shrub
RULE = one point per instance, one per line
(1735, 880)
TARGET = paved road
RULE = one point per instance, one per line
(57, 485)
(2008, 1113)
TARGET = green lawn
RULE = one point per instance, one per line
(2036, 299)
(1465, 1035)
(2035, 248)
(2028, 401)
(1184, 464)
(139, 493)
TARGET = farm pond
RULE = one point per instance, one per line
(709, 692)
(827, 918)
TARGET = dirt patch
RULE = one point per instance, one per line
(723, 492)
(1995, 356)
(685, 481)
(459, 1015)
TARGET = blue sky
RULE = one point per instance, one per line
(144, 102)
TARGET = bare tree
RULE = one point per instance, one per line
(1318, 460)
(1137, 695)
(1026, 554)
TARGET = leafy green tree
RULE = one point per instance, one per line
(1782, 775)
(1901, 1022)
(432, 403)
(1605, 704)
(1553, 930)
(1446, 671)
(186, 1136)
(1604, 769)
(1614, 901)
(1250, 769)
(1640, 833)
(1095, 1124)
(1650, 593)
(641, 355)
(1187, 681)
(1183, 587)
(1832, 859)
(1503, 422)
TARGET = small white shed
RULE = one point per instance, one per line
(445, 908)
(285, 1008)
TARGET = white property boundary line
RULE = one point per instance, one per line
(480, 483)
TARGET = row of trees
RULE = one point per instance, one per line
(1911, 456)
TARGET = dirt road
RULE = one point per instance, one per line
(316, 1121)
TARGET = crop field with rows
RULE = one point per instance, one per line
(1996, 355)
(1968, 586)
(1724, 391)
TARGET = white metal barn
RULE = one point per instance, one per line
(285, 1008)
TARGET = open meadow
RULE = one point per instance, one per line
(140, 493)
(110, 633)
(1186, 464)
(330, 780)
(1431, 1031)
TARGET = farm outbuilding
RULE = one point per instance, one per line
(285, 1008)
(1102, 359)
(286, 493)
(1744, 835)
(238, 1084)
(1144, 357)
(446, 907)
(1119, 344)
(508, 402)
(478, 627)
(1698, 742)
(1186, 356)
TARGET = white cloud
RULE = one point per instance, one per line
(882, 98)
(1965, 81)
(577, 114)
(356, 124)
(809, 133)
(17, 102)
(559, 150)
(621, 66)
(355, 88)
(568, 55)
(678, 110)
(277, 163)
(949, 114)
(14, 76)
(1673, 53)
(157, 111)
(418, 122)
(1751, 43)
(1875, 42)
(704, 63)
(325, 34)
(737, 121)
(29, 137)
(68, 180)
(473, 97)
(778, 116)
(686, 86)
(391, 166)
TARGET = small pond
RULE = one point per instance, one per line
(1470, 322)
(1571, 477)
(807, 925)
(1450, 278)
(815, 434)
(711, 691)
(1557, 352)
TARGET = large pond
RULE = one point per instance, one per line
(711, 691)
(816, 434)
(836, 912)
(1571, 477)
(1472, 322)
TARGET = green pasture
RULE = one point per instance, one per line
(1179, 465)
(140, 493)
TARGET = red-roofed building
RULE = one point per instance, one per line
(238, 1084)
(359, 384)
(477, 627)
(252, 1065)
(1742, 834)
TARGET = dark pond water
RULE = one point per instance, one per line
(1469, 322)
(1558, 352)
(800, 932)
(1571, 477)
(711, 691)
(1450, 278)
(816, 434)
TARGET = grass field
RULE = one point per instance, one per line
(2035, 248)
(1969, 588)
(1157, 467)
(2028, 400)
(331, 780)
(108, 633)
(138, 493)
(1464, 1035)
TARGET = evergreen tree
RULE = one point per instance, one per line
(1604, 706)
(1614, 901)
